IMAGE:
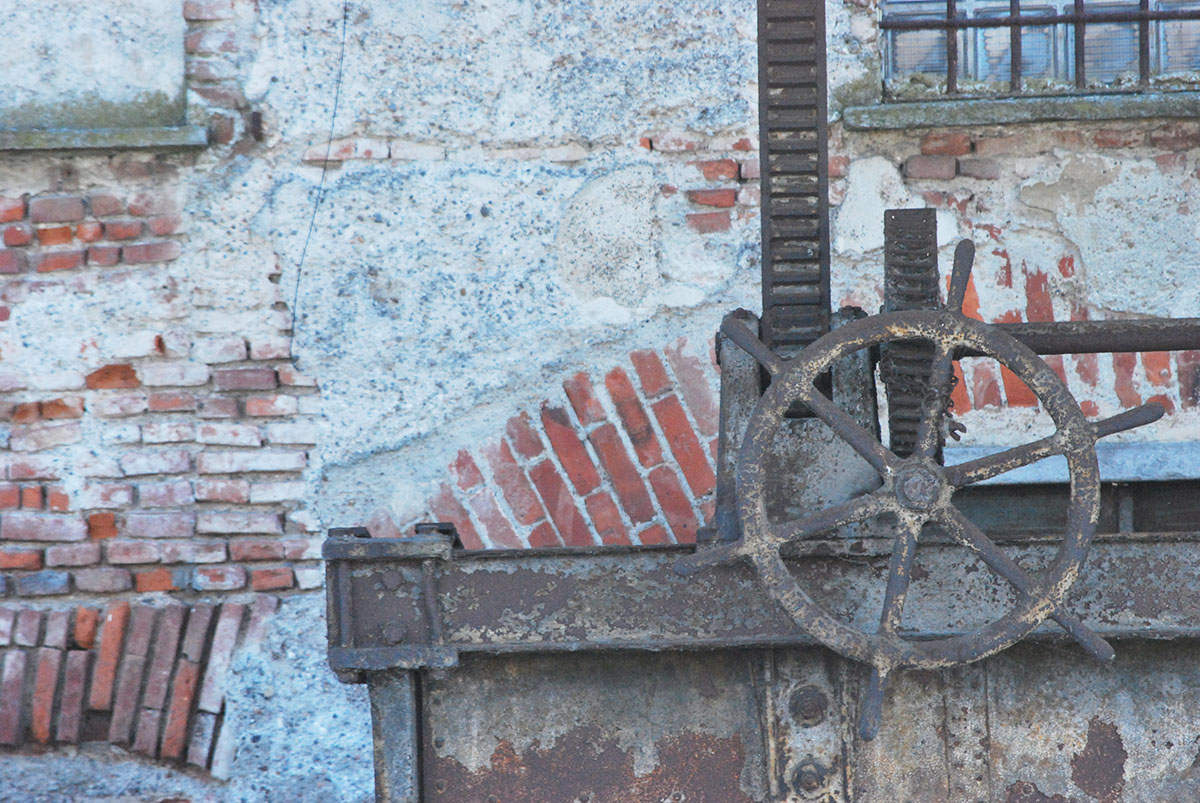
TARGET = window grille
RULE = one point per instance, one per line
(990, 47)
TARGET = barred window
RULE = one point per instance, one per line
(971, 48)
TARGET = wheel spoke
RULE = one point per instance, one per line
(965, 532)
(849, 430)
(993, 465)
(872, 705)
(864, 507)
(904, 551)
(929, 430)
(736, 330)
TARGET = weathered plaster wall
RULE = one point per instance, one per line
(464, 261)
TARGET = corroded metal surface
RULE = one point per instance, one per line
(672, 727)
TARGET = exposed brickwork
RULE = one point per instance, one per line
(156, 677)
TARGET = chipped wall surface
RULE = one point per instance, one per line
(464, 261)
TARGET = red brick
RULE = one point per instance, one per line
(145, 740)
(10, 497)
(145, 204)
(260, 406)
(684, 445)
(105, 205)
(18, 234)
(544, 535)
(244, 379)
(1187, 363)
(70, 714)
(122, 229)
(583, 399)
(55, 235)
(570, 450)
(751, 169)
(103, 580)
(89, 231)
(561, 506)
(194, 638)
(1123, 365)
(57, 500)
(11, 209)
(56, 209)
(155, 251)
(162, 225)
(985, 387)
(44, 688)
(235, 491)
(101, 525)
(651, 374)
(631, 491)
(192, 551)
(1038, 305)
(694, 386)
(606, 519)
(272, 579)
(168, 461)
(137, 645)
(466, 473)
(20, 559)
(84, 554)
(1157, 365)
(838, 166)
(174, 735)
(62, 408)
(986, 169)
(11, 261)
(103, 256)
(172, 402)
(166, 642)
(633, 417)
(165, 494)
(675, 504)
(116, 616)
(1016, 392)
(523, 436)
(238, 521)
(59, 260)
(56, 629)
(7, 618)
(154, 580)
(717, 169)
(29, 627)
(26, 413)
(709, 222)
(25, 526)
(513, 484)
(32, 468)
(946, 143)
(113, 376)
(495, 524)
(249, 549)
(106, 495)
(219, 578)
(930, 167)
(31, 497)
(995, 146)
(212, 691)
(12, 681)
(654, 534)
(240, 462)
(124, 552)
(1116, 138)
(1181, 136)
(723, 198)
(207, 10)
(447, 508)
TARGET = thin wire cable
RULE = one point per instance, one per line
(337, 96)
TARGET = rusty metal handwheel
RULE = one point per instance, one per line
(917, 490)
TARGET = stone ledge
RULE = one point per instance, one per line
(993, 111)
(186, 136)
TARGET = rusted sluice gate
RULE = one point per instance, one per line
(860, 622)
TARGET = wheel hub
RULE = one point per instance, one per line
(918, 488)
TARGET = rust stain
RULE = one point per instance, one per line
(1026, 792)
(1099, 770)
(586, 765)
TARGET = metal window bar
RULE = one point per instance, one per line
(1079, 18)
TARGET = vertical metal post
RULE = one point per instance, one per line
(1014, 49)
(951, 48)
(394, 731)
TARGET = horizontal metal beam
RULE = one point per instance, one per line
(406, 612)
(1087, 337)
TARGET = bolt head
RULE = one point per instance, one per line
(808, 705)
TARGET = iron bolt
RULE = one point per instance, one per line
(439, 742)
(809, 776)
(394, 632)
(440, 786)
(808, 705)
(391, 579)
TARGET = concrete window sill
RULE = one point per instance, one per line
(184, 136)
(994, 111)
